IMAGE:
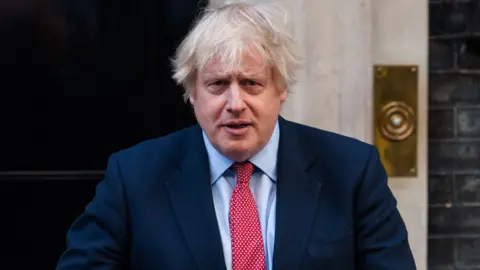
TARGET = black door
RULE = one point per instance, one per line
(79, 80)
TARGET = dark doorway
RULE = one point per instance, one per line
(79, 81)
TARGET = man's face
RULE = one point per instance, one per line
(237, 110)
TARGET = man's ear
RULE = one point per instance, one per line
(191, 99)
(283, 95)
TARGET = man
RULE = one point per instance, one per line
(246, 189)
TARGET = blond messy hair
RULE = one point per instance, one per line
(229, 31)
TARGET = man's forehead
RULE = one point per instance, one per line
(247, 66)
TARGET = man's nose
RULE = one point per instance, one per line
(235, 98)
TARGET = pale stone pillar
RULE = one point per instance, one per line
(334, 89)
(400, 36)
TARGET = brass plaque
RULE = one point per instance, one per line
(395, 118)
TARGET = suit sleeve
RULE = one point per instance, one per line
(382, 235)
(98, 239)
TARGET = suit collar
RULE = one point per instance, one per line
(192, 200)
(217, 162)
(298, 194)
(265, 160)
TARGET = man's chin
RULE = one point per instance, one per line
(238, 153)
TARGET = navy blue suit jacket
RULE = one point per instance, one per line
(154, 209)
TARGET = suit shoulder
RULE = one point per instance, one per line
(322, 140)
(343, 158)
(334, 151)
(162, 148)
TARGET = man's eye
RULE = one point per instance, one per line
(218, 83)
(250, 83)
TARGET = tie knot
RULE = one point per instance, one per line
(244, 171)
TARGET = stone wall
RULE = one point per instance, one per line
(454, 135)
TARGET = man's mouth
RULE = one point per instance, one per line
(238, 126)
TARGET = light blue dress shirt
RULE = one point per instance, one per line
(262, 185)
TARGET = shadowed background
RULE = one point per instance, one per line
(79, 80)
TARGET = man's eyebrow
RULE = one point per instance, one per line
(215, 75)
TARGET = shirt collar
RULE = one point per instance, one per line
(265, 160)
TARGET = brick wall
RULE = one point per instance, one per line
(454, 135)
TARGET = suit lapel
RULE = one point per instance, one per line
(192, 200)
(298, 194)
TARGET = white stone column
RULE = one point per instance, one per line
(400, 36)
(334, 89)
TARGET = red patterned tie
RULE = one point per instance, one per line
(246, 234)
